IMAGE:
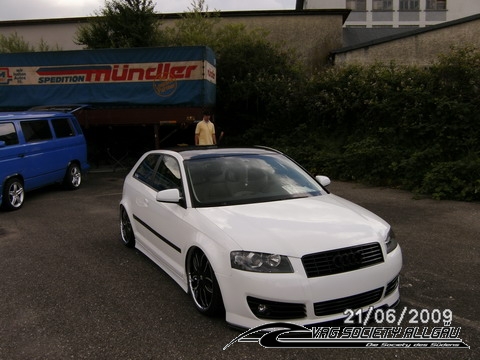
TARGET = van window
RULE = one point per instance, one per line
(36, 130)
(62, 128)
(8, 134)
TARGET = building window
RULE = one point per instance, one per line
(409, 5)
(436, 4)
(381, 5)
(357, 5)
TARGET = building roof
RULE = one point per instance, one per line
(357, 36)
(222, 14)
(360, 38)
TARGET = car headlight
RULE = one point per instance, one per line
(390, 241)
(260, 262)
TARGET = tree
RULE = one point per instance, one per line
(15, 43)
(121, 24)
(253, 72)
(195, 27)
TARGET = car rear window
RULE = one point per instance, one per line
(8, 134)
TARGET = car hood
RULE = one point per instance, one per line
(297, 227)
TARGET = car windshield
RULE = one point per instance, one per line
(243, 179)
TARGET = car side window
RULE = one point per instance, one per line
(8, 134)
(36, 130)
(62, 128)
(145, 170)
(167, 175)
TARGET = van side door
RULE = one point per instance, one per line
(40, 166)
(70, 143)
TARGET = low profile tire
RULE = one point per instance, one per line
(126, 229)
(13, 194)
(73, 177)
(202, 284)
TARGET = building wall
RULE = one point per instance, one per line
(421, 48)
(313, 34)
(55, 32)
(462, 8)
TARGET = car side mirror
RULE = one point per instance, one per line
(2, 144)
(323, 180)
(169, 195)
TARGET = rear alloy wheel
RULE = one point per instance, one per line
(13, 194)
(202, 284)
(126, 229)
(73, 178)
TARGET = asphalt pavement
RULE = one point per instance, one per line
(69, 289)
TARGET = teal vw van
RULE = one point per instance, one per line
(39, 148)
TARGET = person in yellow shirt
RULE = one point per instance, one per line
(205, 131)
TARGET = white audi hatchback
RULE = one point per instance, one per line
(248, 233)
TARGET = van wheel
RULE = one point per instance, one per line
(73, 178)
(13, 194)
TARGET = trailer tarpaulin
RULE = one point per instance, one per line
(170, 76)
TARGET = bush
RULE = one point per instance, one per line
(415, 128)
(457, 180)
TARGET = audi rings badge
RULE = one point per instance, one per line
(347, 260)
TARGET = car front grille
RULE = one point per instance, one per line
(338, 306)
(266, 309)
(342, 260)
(274, 310)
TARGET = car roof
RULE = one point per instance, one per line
(190, 153)
(18, 115)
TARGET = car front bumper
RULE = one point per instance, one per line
(253, 299)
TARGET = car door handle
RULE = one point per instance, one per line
(21, 155)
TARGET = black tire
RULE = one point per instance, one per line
(73, 177)
(126, 230)
(202, 284)
(13, 194)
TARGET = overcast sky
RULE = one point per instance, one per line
(50, 9)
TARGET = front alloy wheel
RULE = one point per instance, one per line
(126, 229)
(202, 284)
(13, 194)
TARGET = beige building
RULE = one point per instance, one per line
(416, 47)
(398, 13)
(313, 34)
(317, 35)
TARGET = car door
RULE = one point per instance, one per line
(161, 224)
